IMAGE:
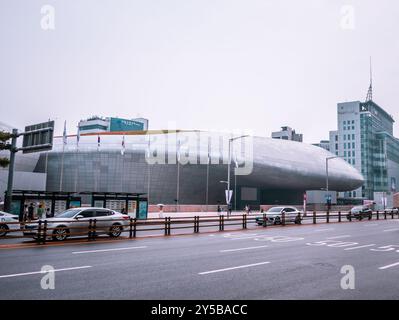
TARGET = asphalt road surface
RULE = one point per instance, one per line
(291, 262)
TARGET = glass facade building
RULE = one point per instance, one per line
(365, 140)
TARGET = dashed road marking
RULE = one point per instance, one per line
(389, 266)
(326, 229)
(106, 250)
(359, 247)
(233, 268)
(241, 249)
(371, 225)
(389, 230)
(42, 272)
(339, 237)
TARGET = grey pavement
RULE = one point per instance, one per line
(274, 263)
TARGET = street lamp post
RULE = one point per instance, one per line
(327, 178)
(228, 167)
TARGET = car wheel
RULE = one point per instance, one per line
(60, 234)
(115, 231)
(277, 220)
(3, 230)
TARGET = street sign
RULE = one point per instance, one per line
(229, 194)
(38, 137)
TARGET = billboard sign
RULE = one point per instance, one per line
(38, 137)
(118, 124)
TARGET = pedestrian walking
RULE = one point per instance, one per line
(48, 213)
(31, 209)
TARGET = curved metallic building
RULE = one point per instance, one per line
(268, 170)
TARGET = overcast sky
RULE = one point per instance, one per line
(204, 64)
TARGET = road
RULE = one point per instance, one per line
(298, 262)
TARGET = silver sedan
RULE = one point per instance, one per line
(8, 222)
(275, 215)
(77, 221)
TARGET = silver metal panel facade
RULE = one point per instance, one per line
(283, 167)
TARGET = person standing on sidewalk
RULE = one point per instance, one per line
(40, 212)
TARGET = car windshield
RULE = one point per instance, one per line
(276, 209)
(68, 214)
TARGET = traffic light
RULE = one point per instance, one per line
(4, 137)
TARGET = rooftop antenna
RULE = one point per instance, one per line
(370, 91)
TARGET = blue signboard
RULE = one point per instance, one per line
(117, 124)
(142, 210)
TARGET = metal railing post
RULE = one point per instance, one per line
(378, 215)
(44, 232)
(339, 216)
(264, 220)
(169, 223)
(89, 232)
(222, 223)
(385, 215)
(328, 216)
(94, 229)
(392, 214)
(130, 228)
(314, 217)
(39, 232)
(134, 227)
(166, 226)
(350, 217)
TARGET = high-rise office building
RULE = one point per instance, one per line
(365, 140)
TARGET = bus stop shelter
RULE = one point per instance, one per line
(56, 201)
(135, 204)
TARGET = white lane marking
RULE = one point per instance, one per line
(233, 268)
(389, 266)
(39, 272)
(106, 250)
(389, 230)
(240, 249)
(250, 237)
(371, 225)
(327, 229)
(359, 247)
(339, 237)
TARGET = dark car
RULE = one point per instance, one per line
(360, 212)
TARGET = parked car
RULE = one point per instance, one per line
(6, 223)
(274, 215)
(77, 219)
(393, 210)
(360, 212)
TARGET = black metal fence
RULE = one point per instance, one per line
(43, 230)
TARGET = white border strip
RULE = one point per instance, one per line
(106, 250)
(233, 268)
(43, 272)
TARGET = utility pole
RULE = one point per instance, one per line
(13, 151)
